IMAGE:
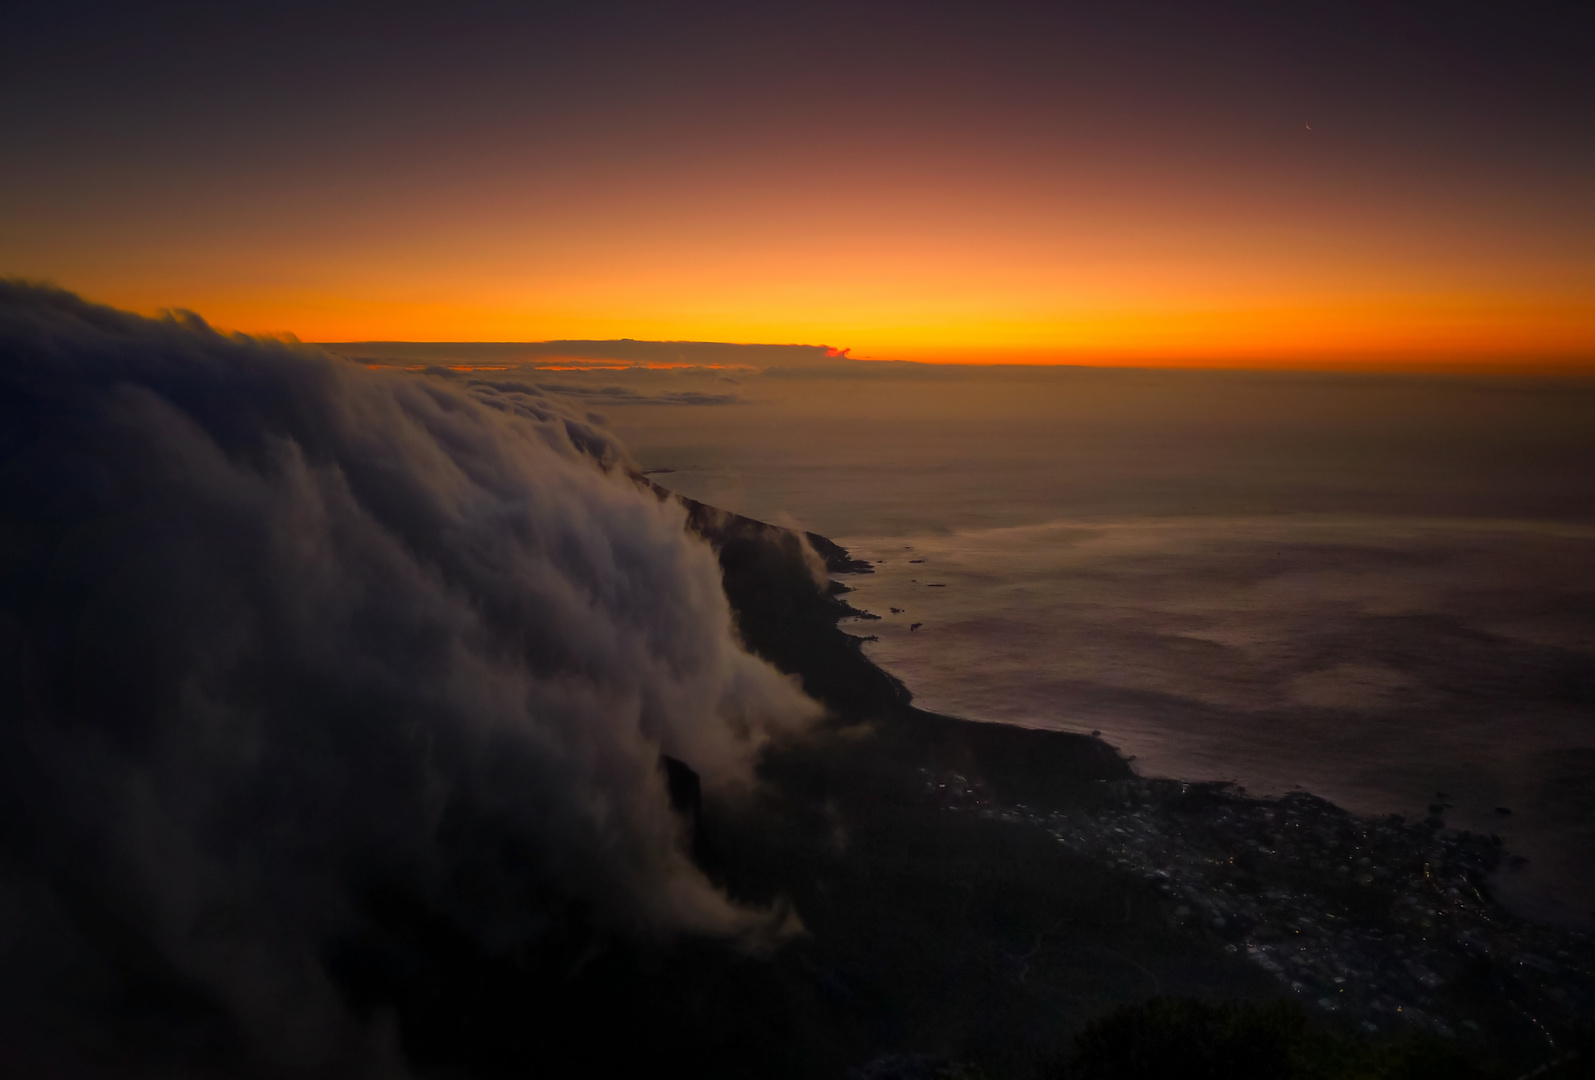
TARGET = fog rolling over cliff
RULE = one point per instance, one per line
(279, 633)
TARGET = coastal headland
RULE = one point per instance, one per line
(978, 893)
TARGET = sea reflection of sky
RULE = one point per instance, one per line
(1373, 661)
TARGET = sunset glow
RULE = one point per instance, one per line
(1067, 203)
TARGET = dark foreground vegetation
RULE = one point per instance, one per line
(1196, 1039)
(1199, 1040)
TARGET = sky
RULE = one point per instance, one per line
(1345, 184)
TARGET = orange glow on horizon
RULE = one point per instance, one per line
(975, 269)
(1148, 210)
(1431, 333)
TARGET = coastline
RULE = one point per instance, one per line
(1376, 926)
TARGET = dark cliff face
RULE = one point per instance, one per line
(785, 617)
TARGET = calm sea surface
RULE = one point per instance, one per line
(1378, 589)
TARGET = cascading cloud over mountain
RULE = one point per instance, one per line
(274, 627)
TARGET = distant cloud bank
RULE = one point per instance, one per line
(578, 354)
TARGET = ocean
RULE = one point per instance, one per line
(1377, 588)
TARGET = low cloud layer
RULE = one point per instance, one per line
(710, 354)
(274, 626)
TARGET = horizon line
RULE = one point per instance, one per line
(1506, 364)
